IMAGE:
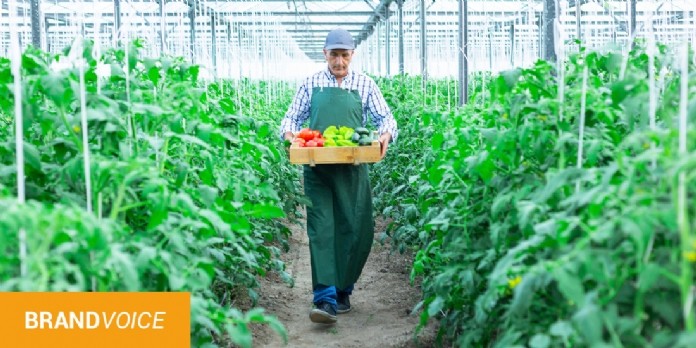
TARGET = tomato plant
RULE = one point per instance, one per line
(519, 244)
(187, 190)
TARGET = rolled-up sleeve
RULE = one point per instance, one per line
(382, 117)
(298, 112)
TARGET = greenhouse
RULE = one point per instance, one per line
(468, 173)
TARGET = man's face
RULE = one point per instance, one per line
(338, 60)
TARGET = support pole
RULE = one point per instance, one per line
(48, 42)
(239, 49)
(387, 45)
(512, 44)
(117, 18)
(577, 19)
(632, 18)
(163, 26)
(213, 45)
(35, 24)
(378, 38)
(423, 44)
(401, 36)
(192, 30)
(463, 53)
(490, 49)
(549, 19)
(541, 36)
(228, 50)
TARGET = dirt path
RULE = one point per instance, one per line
(381, 303)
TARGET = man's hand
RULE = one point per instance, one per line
(384, 140)
(289, 136)
(287, 142)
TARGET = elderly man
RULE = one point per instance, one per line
(340, 224)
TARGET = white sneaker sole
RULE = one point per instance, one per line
(321, 317)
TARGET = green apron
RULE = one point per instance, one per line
(339, 222)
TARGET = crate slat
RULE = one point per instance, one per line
(335, 155)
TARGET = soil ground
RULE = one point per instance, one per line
(382, 302)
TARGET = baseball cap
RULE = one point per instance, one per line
(339, 39)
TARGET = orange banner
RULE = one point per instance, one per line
(95, 319)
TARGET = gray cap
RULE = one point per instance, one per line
(339, 39)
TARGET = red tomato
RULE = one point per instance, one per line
(320, 142)
(311, 143)
(306, 134)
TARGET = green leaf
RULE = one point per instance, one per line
(561, 329)
(687, 340)
(435, 306)
(540, 341)
(511, 77)
(208, 194)
(126, 269)
(265, 212)
(154, 75)
(648, 276)
(54, 86)
(437, 140)
(485, 168)
(32, 157)
(569, 285)
(190, 140)
(240, 334)
(501, 201)
(255, 315)
(215, 220)
(264, 130)
(589, 323)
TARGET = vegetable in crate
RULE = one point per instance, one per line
(340, 136)
(309, 138)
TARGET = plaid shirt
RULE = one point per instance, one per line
(372, 101)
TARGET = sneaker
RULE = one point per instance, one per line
(343, 302)
(323, 313)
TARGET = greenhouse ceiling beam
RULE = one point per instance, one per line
(293, 13)
(380, 12)
(571, 3)
(296, 23)
(370, 4)
(325, 31)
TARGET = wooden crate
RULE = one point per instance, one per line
(335, 155)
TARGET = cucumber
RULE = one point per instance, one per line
(355, 138)
(362, 131)
(365, 142)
